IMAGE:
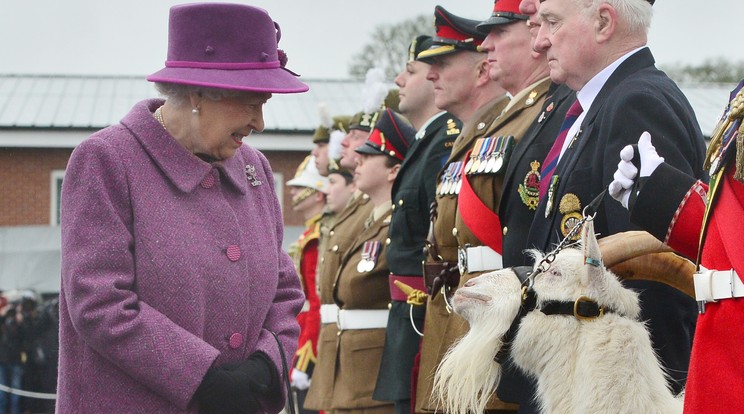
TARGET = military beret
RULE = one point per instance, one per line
(504, 12)
(418, 45)
(338, 123)
(453, 34)
(391, 136)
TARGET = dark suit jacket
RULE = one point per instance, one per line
(413, 192)
(636, 98)
(519, 199)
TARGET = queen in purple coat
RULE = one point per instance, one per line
(176, 295)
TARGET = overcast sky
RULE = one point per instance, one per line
(129, 37)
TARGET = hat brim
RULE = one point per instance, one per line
(368, 149)
(486, 25)
(273, 80)
(440, 50)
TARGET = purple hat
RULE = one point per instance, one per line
(226, 46)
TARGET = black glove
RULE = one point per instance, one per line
(235, 388)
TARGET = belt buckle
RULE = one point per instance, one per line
(462, 260)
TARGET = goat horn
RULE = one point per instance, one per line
(637, 255)
(620, 247)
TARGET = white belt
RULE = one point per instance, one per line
(478, 259)
(712, 285)
(354, 318)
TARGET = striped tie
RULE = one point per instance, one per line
(551, 160)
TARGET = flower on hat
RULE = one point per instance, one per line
(282, 57)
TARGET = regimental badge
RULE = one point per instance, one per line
(250, 173)
(529, 190)
(370, 252)
(531, 98)
(452, 128)
(570, 207)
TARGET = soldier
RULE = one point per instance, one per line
(308, 189)
(413, 192)
(600, 51)
(520, 193)
(329, 126)
(350, 359)
(327, 139)
(460, 74)
(345, 227)
(706, 224)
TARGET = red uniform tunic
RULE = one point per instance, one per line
(715, 382)
(306, 260)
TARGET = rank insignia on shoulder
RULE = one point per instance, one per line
(570, 207)
(452, 128)
(529, 190)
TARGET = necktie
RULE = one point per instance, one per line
(551, 160)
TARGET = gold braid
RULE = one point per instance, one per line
(735, 111)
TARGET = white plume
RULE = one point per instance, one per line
(375, 90)
(325, 115)
(334, 144)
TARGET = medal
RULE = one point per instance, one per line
(473, 154)
(494, 155)
(487, 149)
(458, 178)
(370, 251)
(570, 207)
(551, 195)
(529, 190)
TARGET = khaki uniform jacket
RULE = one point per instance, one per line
(514, 122)
(437, 318)
(348, 361)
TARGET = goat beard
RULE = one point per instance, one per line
(467, 376)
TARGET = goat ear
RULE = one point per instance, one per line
(593, 276)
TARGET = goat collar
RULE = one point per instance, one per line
(582, 308)
(529, 301)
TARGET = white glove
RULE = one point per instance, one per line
(299, 380)
(625, 176)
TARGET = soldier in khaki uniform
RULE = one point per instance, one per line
(460, 73)
(336, 240)
(351, 343)
(412, 194)
(326, 152)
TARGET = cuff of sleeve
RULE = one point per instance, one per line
(659, 200)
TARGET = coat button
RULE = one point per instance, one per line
(387, 241)
(322, 260)
(506, 230)
(233, 252)
(393, 207)
(236, 340)
(208, 181)
(454, 231)
(332, 233)
(335, 248)
(400, 202)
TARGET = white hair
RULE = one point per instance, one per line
(179, 93)
(636, 13)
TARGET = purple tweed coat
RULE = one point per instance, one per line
(169, 265)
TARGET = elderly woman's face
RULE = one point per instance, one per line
(223, 124)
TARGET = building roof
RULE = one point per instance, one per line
(64, 102)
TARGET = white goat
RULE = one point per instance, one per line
(602, 364)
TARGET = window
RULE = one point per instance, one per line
(56, 189)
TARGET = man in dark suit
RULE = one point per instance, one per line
(413, 192)
(599, 51)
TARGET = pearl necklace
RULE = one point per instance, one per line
(159, 116)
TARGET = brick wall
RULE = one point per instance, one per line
(26, 176)
(25, 179)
